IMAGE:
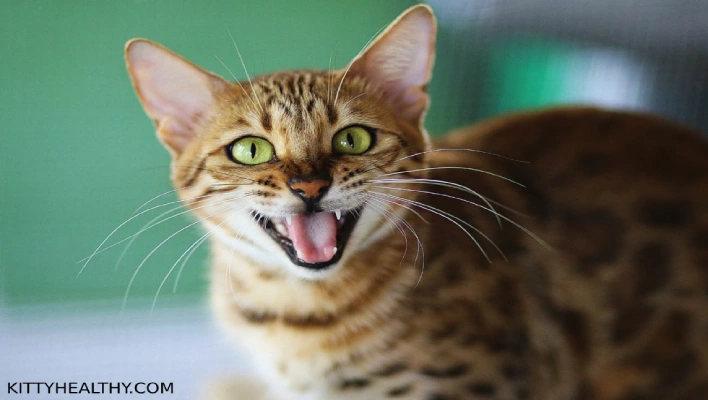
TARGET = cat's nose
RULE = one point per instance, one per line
(310, 190)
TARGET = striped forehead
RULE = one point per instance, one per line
(299, 105)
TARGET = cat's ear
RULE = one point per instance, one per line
(400, 62)
(175, 93)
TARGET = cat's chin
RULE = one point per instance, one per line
(281, 230)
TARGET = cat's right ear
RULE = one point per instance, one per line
(400, 62)
(175, 93)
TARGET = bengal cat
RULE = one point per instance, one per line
(558, 254)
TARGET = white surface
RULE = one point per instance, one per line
(178, 345)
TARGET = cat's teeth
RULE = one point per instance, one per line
(334, 251)
(289, 219)
(281, 228)
(338, 214)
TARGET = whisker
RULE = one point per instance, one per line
(465, 150)
(502, 216)
(236, 80)
(452, 218)
(147, 226)
(245, 70)
(184, 262)
(507, 208)
(157, 197)
(218, 172)
(352, 99)
(377, 166)
(140, 266)
(409, 209)
(181, 268)
(134, 237)
(329, 75)
(192, 246)
(436, 182)
(346, 71)
(457, 168)
(420, 251)
(387, 214)
(100, 249)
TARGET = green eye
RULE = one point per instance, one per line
(352, 140)
(252, 151)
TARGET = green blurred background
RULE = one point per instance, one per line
(78, 155)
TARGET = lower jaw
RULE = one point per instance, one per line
(320, 266)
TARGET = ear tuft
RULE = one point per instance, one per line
(400, 61)
(175, 93)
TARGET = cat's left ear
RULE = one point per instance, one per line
(400, 62)
(175, 93)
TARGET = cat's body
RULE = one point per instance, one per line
(618, 305)
(597, 290)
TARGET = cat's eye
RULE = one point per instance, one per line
(352, 140)
(251, 151)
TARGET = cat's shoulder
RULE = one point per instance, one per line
(572, 123)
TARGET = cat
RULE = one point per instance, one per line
(552, 254)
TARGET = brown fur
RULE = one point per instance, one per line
(603, 296)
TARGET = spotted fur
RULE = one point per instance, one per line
(588, 278)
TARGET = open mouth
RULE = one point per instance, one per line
(313, 240)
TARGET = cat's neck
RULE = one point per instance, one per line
(369, 283)
(357, 311)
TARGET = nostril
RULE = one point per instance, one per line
(310, 190)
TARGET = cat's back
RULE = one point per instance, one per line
(619, 300)
(650, 172)
(562, 144)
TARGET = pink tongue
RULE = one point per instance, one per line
(314, 236)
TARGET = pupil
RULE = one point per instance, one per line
(350, 140)
(253, 150)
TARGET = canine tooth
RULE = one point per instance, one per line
(334, 251)
(281, 229)
(338, 214)
(289, 219)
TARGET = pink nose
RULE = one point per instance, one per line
(310, 189)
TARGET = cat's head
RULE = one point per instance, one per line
(290, 168)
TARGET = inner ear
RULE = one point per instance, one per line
(400, 62)
(178, 95)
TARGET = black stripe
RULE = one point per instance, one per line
(448, 372)
(399, 391)
(332, 115)
(355, 383)
(391, 370)
(195, 173)
(266, 122)
(257, 317)
(309, 321)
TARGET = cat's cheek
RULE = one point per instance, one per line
(368, 231)
(247, 239)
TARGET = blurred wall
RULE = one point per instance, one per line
(496, 56)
